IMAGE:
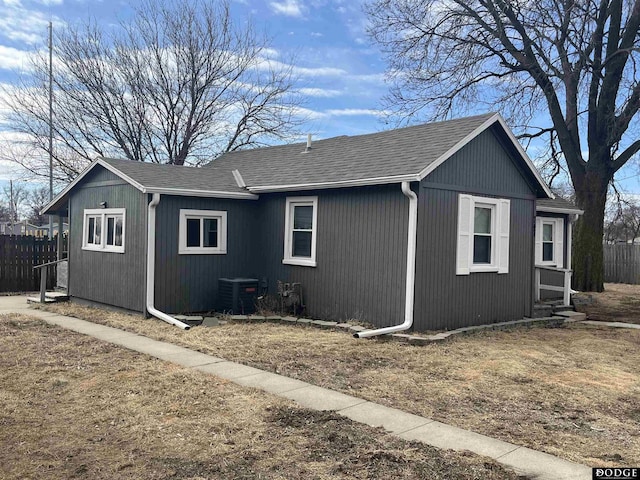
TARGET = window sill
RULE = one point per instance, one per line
(100, 249)
(201, 251)
(300, 262)
(486, 269)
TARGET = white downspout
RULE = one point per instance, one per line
(151, 266)
(411, 269)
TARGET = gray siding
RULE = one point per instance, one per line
(445, 300)
(361, 253)
(189, 283)
(111, 278)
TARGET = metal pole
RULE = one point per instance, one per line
(51, 125)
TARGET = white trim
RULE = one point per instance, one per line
(219, 215)
(557, 241)
(458, 146)
(288, 258)
(238, 178)
(339, 184)
(500, 234)
(542, 208)
(103, 214)
(201, 193)
(168, 191)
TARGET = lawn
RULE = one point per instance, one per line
(618, 303)
(76, 407)
(573, 392)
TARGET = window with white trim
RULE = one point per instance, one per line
(301, 217)
(104, 229)
(483, 235)
(202, 232)
(550, 241)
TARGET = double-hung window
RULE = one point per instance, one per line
(301, 215)
(483, 235)
(202, 232)
(104, 229)
(549, 241)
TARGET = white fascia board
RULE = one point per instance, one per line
(97, 161)
(490, 121)
(341, 184)
(569, 211)
(201, 193)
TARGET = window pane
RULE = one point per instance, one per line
(193, 232)
(118, 239)
(482, 222)
(547, 252)
(90, 230)
(303, 217)
(302, 244)
(481, 249)
(547, 232)
(110, 230)
(98, 236)
(210, 232)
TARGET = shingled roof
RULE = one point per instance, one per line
(557, 205)
(392, 156)
(384, 157)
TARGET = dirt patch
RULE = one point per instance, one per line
(572, 392)
(75, 407)
(618, 303)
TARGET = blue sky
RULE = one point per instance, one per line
(341, 73)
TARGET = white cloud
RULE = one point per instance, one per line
(14, 59)
(316, 34)
(320, 92)
(289, 8)
(356, 112)
(28, 25)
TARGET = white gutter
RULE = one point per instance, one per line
(411, 269)
(151, 266)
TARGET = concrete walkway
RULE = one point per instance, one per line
(534, 464)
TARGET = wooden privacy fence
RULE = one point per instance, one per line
(18, 255)
(622, 263)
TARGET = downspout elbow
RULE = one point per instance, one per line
(151, 262)
(411, 269)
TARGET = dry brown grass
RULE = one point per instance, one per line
(618, 303)
(572, 392)
(75, 407)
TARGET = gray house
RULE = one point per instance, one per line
(436, 226)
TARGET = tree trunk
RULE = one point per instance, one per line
(588, 265)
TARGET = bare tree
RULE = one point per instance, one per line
(180, 83)
(561, 69)
(14, 196)
(623, 222)
(35, 200)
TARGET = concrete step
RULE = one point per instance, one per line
(541, 310)
(50, 297)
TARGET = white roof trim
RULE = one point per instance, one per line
(97, 161)
(543, 208)
(238, 178)
(201, 193)
(340, 184)
(490, 121)
(168, 191)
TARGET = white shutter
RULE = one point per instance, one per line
(558, 243)
(538, 240)
(465, 234)
(504, 211)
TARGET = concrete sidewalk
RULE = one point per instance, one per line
(534, 464)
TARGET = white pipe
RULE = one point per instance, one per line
(151, 266)
(411, 269)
